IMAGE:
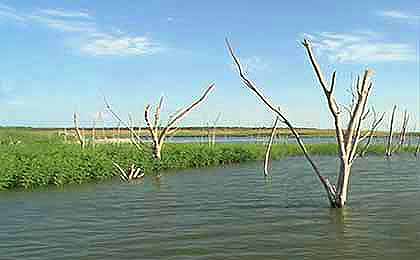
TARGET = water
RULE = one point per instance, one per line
(221, 213)
(410, 140)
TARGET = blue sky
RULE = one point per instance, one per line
(62, 56)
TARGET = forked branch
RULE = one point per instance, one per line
(159, 135)
(136, 140)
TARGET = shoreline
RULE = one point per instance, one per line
(29, 166)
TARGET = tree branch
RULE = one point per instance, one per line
(249, 84)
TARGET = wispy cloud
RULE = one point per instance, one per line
(399, 15)
(92, 40)
(65, 14)
(254, 64)
(72, 25)
(121, 46)
(360, 47)
(9, 13)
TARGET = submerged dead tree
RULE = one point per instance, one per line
(135, 139)
(347, 139)
(212, 134)
(388, 151)
(79, 134)
(270, 143)
(369, 135)
(391, 148)
(403, 133)
(158, 133)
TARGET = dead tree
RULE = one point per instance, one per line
(212, 136)
(388, 151)
(375, 124)
(270, 143)
(403, 133)
(95, 120)
(130, 121)
(136, 140)
(158, 134)
(79, 134)
(347, 141)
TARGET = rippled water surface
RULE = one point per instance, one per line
(221, 213)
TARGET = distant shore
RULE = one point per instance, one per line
(113, 132)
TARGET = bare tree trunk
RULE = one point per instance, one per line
(94, 129)
(270, 142)
(403, 132)
(130, 121)
(213, 134)
(388, 153)
(343, 183)
(208, 134)
(78, 132)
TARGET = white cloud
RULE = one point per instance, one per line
(64, 25)
(106, 45)
(399, 15)
(90, 38)
(65, 14)
(254, 64)
(360, 47)
(9, 13)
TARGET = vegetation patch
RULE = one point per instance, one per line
(29, 160)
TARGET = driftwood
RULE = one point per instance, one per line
(79, 134)
(375, 124)
(270, 143)
(159, 134)
(130, 174)
(347, 141)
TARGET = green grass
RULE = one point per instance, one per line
(29, 160)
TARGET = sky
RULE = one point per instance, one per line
(60, 57)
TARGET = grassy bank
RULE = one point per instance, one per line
(28, 161)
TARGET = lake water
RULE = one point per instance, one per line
(221, 213)
(411, 140)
